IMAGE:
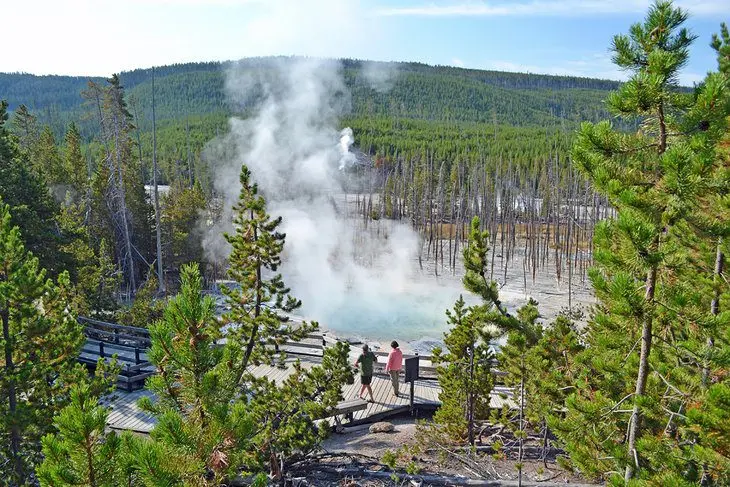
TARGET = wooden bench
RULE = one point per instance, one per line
(348, 409)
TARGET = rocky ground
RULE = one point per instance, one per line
(356, 457)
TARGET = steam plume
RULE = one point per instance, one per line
(361, 280)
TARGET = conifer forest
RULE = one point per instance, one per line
(552, 248)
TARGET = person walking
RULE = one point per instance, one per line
(394, 365)
(366, 361)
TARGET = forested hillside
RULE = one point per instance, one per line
(411, 107)
(415, 91)
(462, 171)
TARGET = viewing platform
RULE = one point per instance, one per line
(129, 345)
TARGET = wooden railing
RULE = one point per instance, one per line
(128, 344)
(426, 368)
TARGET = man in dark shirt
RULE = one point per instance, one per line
(365, 361)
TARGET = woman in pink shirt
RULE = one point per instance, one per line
(395, 363)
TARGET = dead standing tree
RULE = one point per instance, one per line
(114, 129)
(540, 215)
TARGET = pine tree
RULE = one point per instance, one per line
(100, 283)
(124, 210)
(75, 165)
(32, 207)
(259, 307)
(46, 161)
(146, 307)
(464, 374)
(288, 415)
(548, 367)
(476, 264)
(181, 209)
(41, 341)
(25, 127)
(721, 45)
(80, 452)
(203, 423)
(213, 413)
(513, 360)
(625, 408)
(259, 323)
(537, 368)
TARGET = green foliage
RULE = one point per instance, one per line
(548, 367)
(647, 339)
(32, 207)
(41, 340)
(210, 429)
(25, 129)
(288, 415)
(146, 308)
(46, 161)
(203, 425)
(96, 279)
(119, 206)
(99, 282)
(259, 323)
(464, 374)
(721, 45)
(74, 164)
(181, 209)
(80, 453)
(417, 91)
(538, 362)
(259, 306)
(403, 457)
(392, 139)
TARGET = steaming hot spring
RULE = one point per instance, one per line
(356, 277)
(365, 280)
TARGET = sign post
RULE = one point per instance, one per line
(412, 375)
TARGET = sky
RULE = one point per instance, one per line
(572, 37)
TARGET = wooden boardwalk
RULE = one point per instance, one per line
(129, 345)
(125, 415)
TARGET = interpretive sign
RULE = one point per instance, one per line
(412, 369)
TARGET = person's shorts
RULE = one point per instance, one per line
(365, 379)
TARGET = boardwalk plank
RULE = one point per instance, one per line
(125, 414)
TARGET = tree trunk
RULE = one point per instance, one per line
(90, 462)
(190, 159)
(470, 396)
(651, 278)
(522, 414)
(158, 230)
(17, 463)
(257, 311)
(635, 421)
(122, 209)
(715, 305)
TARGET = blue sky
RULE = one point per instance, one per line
(98, 37)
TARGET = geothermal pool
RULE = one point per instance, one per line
(407, 316)
(416, 316)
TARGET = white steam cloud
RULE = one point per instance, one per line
(347, 158)
(356, 278)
